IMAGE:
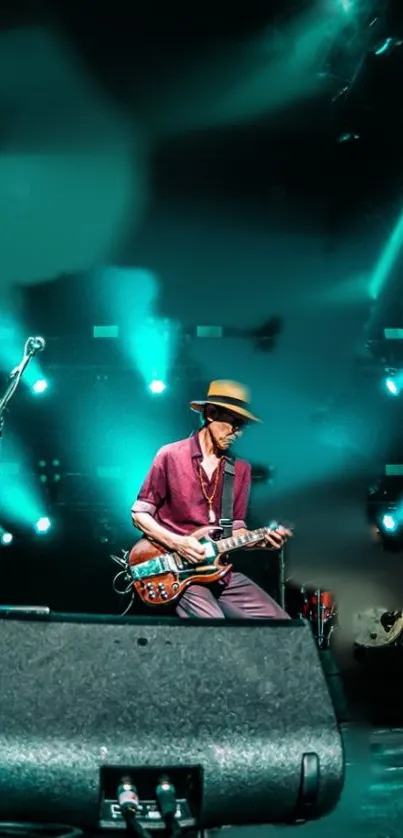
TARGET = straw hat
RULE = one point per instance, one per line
(229, 394)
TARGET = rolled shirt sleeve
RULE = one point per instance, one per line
(241, 498)
(154, 489)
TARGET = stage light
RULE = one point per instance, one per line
(394, 381)
(348, 137)
(387, 46)
(389, 523)
(40, 386)
(156, 386)
(6, 538)
(43, 525)
(392, 387)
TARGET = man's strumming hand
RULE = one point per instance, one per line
(189, 548)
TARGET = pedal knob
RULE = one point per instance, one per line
(164, 595)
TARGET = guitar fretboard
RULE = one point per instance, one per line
(227, 544)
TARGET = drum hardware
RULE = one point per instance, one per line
(318, 607)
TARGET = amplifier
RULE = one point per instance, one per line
(237, 713)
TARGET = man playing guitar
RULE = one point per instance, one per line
(183, 491)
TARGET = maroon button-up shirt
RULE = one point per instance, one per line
(172, 493)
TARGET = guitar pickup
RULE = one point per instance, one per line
(172, 562)
(179, 562)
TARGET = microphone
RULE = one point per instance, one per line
(36, 344)
(32, 346)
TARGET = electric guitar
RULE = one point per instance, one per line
(161, 577)
(377, 627)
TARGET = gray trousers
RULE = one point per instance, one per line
(234, 597)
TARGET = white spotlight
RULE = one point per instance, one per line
(40, 386)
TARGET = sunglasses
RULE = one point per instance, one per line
(233, 420)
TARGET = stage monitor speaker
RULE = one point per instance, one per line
(238, 714)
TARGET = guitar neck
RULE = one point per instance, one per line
(225, 545)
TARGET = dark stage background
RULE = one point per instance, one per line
(237, 170)
(191, 193)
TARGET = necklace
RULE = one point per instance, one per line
(210, 498)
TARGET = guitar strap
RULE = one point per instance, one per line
(227, 499)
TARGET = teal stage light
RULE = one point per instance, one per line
(389, 523)
(392, 387)
(43, 525)
(156, 387)
(40, 386)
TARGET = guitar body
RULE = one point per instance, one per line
(161, 577)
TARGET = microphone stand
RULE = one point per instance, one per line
(281, 578)
(32, 346)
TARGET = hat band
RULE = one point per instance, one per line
(228, 400)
